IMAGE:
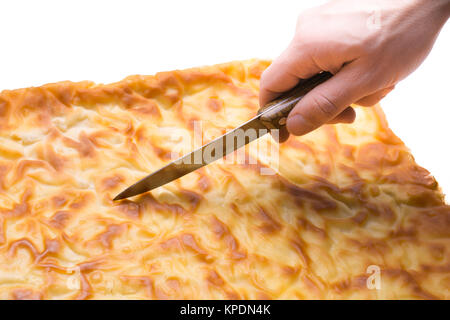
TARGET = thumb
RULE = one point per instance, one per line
(284, 73)
(328, 100)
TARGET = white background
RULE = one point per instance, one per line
(104, 41)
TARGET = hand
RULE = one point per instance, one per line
(368, 45)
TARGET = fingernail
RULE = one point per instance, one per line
(297, 125)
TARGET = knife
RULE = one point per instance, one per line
(271, 116)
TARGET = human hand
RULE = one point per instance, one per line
(368, 45)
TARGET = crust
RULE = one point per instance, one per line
(345, 197)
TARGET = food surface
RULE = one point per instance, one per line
(344, 212)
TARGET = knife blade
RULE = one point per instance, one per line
(272, 116)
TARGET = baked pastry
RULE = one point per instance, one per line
(348, 214)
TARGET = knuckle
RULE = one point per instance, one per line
(366, 102)
(325, 106)
(263, 80)
(266, 80)
(304, 30)
(303, 16)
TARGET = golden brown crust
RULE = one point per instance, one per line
(346, 197)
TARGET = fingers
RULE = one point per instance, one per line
(325, 102)
(374, 98)
(282, 136)
(285, 71)
(346, 116)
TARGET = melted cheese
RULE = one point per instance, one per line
(344, 198)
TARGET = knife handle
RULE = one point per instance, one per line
(274, 114)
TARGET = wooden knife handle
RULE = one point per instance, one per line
(274, 114)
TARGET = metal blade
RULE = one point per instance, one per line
(210, 152)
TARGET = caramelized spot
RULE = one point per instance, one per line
(142, 281)
(188, 240)
(55, 160)
(433, 222)
(308, 226)
(59, 201)
(161, 153)
(192, 198)
(107, 237)
(4, 169)
(149, 108)
(403, 233)
(437, 250)
(24, 165)
(84, 146)
(215, 279)
(130, 208)
(377, 155)
(357, 189)
(290, 271)
(194, 77)
(81, 201)
(373, 246)
(89, 266)
(51, 246)
(59, 219)
(385, 212)
(384, 133)
(311, 284)
(160, 294)
(173, 243)
(174, 284)
(215, 104)
(222, 232)
(349, 284)
(436, 269)
(256, 69)
(350, 172)
(232, 295)
(96, 277)
(2, 231)
(112, 182)
(301, 195)
(129, 130)
(65, 91)
(235, 209)
(140, 134)
(26, 294)
(269, 225)
(85, 288)
(4, 107)
(152, 291)
(148, 284)
(360, 217)
(413, 175)
(25, 243)
(348, 151)
(325, 170)
(191, 123)
(148, 201)
(204, 183)
(263, 296)
(298, 247)
(418, 196)
(410, 281)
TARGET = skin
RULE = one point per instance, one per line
(369, 46)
